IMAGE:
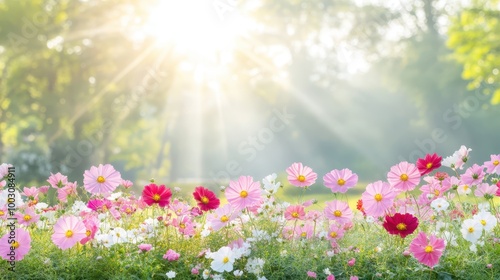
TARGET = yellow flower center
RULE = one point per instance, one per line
(27, 217)
(471, 229)
(128, 210)
(88, 233)
(496, 162)
(2, 213)
(403, 177)
(224, 219)
(225, 260)
(204, 200)
(401, 226)
(156, 197)
(182, 225)
(15, 244)
(304, 234)
(429, 249)
(243, 194)
(101, 179)
(341, 182)
(301, 178)
(483, 222)
(337, 213)
(104, 208)
(295, 214)
(69, 233)
(333, 234)
(466, 187)
(429, 165)
(378, 197)
(436, 192)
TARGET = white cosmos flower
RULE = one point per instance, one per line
(463, 189)
(171, 274)
(206, 274)
(471, 230)
(223, 260)
(255, 265)
(450, 161)
(238, 273)
(486, 220)
(440, 204)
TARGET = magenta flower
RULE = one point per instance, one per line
(57, 180)
(427, 250)
(91, 225)
(493, 166)
(404, 176)
(243, 193)
(474, 175)
(378, 198)
(351, 262)
(428, 163)
(28, 217)
(301, 176)
(171, 255)
(295, 212)
(21, 245)
(340, 180)
(338, 211)
(68, 231)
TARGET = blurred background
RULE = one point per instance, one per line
(203, 91)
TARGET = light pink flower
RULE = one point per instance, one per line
(145, 247)
(222, 216)
(243, 193)
(340, 180)
(378, 198)
(21, 244)
(338, 211)
(68, 231)
(28, 217)
(485, 190)
(127, 184)
(102, 179)
(305, 231)
(295, 212)
(31, 193)
(185, 225)
(171, 255)
(404, 176)
(473, 175)
(312, 274)
(351, 262)
(330, 277)
(301, 176)
(68, 190)
(493, 166)
(335, 232)
(44, 189)
(57, 180)
(427, 250)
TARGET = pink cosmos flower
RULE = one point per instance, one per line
(295, 212)
(171, 255)
(493, 166)
(99, 205)
(4, 169)
(427, 250)
(330, 277)
(378, 198)
(473, 175)
(485, 190)
(31, 193)
(68, 231)
(461, 156)
(301, 176)
(154, 194)
(305, 231)
(127, 184)
(335, 232)
(340, 180)
(102, 179)
(57, 180)
(180, 208)
(222, 216)
(28, 217)
(91, 225)
(207, 200)
(44, 189)
(338, 211)
(68, 190)
(185, 225)
(145, 247)
(21, 244)
(404, 176)
(243, 193)
(351, 262)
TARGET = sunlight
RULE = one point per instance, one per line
(193, 27)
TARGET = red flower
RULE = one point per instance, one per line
(206, 199)
(429, 163)
(156, 194)
(359, 206)
(400, 224)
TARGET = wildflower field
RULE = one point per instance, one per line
(433, 219)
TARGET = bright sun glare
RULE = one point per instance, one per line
(193, 26)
